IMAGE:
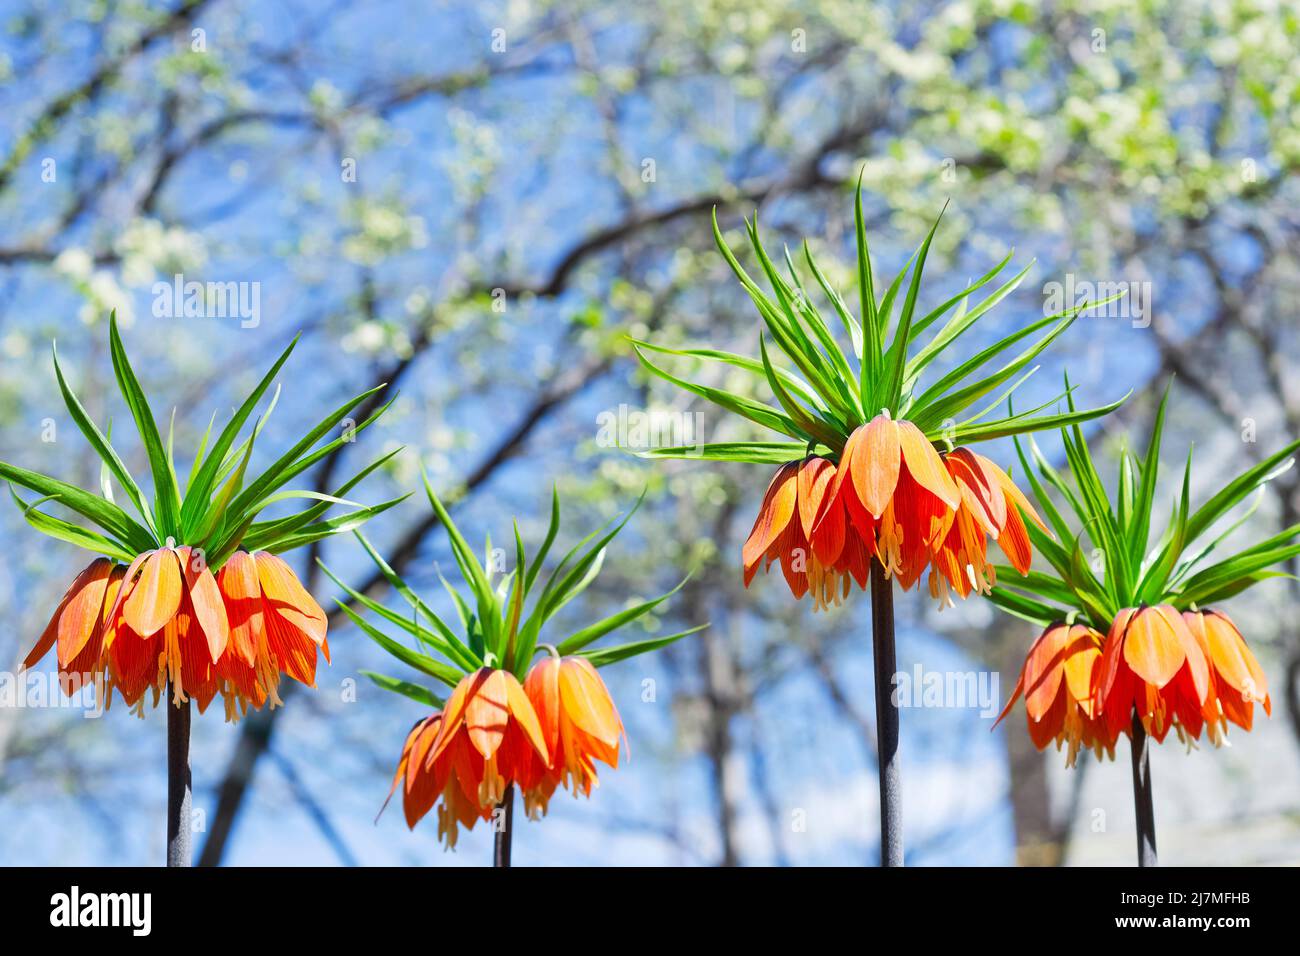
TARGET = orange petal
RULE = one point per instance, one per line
(83, 615)
(487, 711)
(453, 714)
(205, 596)
(156, 596)
(586, 701)
(1044, 670)
(1197, 661)
(242, 591)
(1013, 539)
(875, 463)
(284, 593)
(777, 509)
(1152, 647)
(1015, 696)
(1112, 652)
(925, 464)
(821, 515)
(1233, 660)
(1082, 654)
(542, 685)
(980, 492)
(815, 477)
(1015, 495)
(521, 709)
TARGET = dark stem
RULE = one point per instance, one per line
(891, 782)
(504, 823)
(1146, 818)
(179, 795)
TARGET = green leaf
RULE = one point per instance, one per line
(102, 446)
(595, 632)
(202, 481)
(872, 332)
(1020, 426)
(166, 493)
(612, 655)
(756, 452)
(756, 412)
(1239, 488)
(292, 462)
(414, 691)
(896, 358)
(1036, 612)
(1140, 523)
(421, 662)
(65, 531)
(104, 513)
(788, 379)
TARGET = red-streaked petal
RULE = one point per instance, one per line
(284, 593)
(521, 710)
(205, 596)
(239, 585)
(925, 464)
(774, 515)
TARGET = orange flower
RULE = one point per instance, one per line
(895, 489)
(1238, 679)
(489, 734)
(579, 723)
(1058, 682)
(426, 779)
(165, 618)
(1154, 663)
(78, 626)
(990, 507)
(818, 552)
(167, 623)
(275, 627)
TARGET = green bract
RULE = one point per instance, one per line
(216, 513)
(1172, 571)
(823, 398)
(500, 621)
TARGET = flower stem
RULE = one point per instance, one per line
(179, 795)
(1146, 818)
(891, 783)
(501, 847)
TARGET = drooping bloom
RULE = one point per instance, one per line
(803, 525)
(1239, 681)
(991, 507)
(78, 626)
(489, 733)
(424, 780)
(1154, 664)
(167, 624)
(166, 619)
(894, 496)
(895, 490)
(276, 628)
(579, 723)
(1058, 683)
